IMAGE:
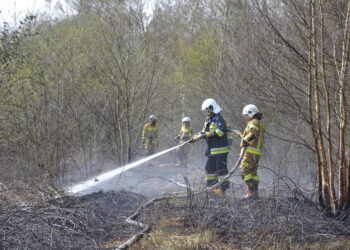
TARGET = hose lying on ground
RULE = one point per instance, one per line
(146, 228)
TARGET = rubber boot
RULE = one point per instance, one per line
(218, 192)
(216, 196)
(248, 190)
(255, 190)
(212, 198)
(251, 191)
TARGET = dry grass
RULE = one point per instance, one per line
(267, 223)
(164, 240)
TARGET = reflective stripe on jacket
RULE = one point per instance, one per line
(185, 134)
(217, 144)
(150, 134)
(254, 136)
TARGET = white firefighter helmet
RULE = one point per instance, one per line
(186, 119)
(152, 118)
(211, 105)
(250, 110)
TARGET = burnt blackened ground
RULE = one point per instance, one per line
(92, 221)
(97, 221)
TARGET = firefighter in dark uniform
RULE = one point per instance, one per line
(215, 134)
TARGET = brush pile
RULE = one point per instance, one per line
(91, 221)
(98, 221)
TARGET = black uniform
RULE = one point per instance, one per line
(217, 150)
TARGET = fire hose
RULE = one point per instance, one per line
(146, 228)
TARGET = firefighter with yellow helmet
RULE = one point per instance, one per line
(215, 134)
(252, 140)
(185, 134)
(150, 135)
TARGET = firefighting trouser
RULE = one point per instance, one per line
(216, 169)
(150, 149)
(249, 168)
(182, 155)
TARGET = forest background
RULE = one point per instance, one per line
(76, 91)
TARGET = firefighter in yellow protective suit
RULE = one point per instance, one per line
(252, 140)
(150, 136)
(185, 134)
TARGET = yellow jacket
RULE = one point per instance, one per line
(185, 134)
(150, 134)
(254, 135)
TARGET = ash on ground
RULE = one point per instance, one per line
(88, 222)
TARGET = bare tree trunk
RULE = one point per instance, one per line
(313, 90)
(347, 200)
(314, 76)
(329, 115)
(342, 111)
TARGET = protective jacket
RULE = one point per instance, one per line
(150, 136)
(253, 136)
(253, 139)
(185, 134)
(217, 143)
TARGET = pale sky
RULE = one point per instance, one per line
(12, 11)
(15, 10)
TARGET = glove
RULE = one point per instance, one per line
(244, 144)
(252, 138)
(238, 133)
(208, 134)
(195, 138)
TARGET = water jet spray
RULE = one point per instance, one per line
(83, 186)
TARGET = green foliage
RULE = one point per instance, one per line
(204, 54)
(80, 89)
